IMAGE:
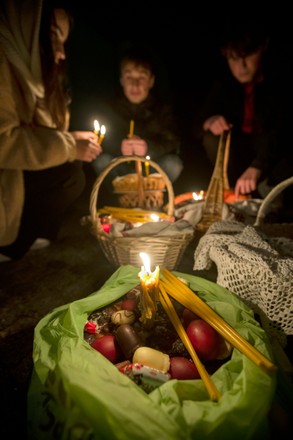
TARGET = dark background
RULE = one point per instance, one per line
(186, 52)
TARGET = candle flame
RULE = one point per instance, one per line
(96, 126)
(146, 262)
(155, 217)
(148, 157)
(198, 196)
(103, 130)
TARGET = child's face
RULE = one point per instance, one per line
(244, 69)
(136, 82)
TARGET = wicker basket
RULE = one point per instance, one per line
(165, 251)
(214, 199)
(274, 229)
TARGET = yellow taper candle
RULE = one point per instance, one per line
(149, 282)
(131, 128)
(96, 127)
(102, 134)
(147, 166)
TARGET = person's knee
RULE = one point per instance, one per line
(101, 162)
(73, 185)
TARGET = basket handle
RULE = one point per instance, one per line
(118, 160)
(263, 209)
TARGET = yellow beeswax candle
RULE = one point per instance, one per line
(147, 166)
(131, 128)
(171, 312)
(102, 134)
(149, 282)
(189, 299)
(96, 127)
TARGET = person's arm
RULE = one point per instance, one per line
(270, 105)
(216, 124)
(247, 182)
(214, 111)
(25, 145)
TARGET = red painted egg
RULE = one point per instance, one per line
(107, 347)
(183, 369)
(204, 339)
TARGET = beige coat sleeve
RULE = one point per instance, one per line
(24, 145)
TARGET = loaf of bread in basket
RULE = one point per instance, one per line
(129, 182)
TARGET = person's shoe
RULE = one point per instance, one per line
(40, 243)
(4, 258)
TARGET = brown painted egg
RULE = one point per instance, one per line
(123, 317)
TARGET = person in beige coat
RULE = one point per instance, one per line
(41, 171)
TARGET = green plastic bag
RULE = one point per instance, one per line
(76, 393)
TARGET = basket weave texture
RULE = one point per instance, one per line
(164, 251)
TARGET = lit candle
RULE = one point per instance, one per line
(147, 166)
(189, 197)
(198, 196)
(149, 282)
(102, 134)
(96, 127)
(131, 128)
(155, 217)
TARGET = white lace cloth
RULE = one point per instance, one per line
(257, 268)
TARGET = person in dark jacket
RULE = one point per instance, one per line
(155, 132)
(248, 99)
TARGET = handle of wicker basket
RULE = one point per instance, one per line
(264, 207)
(113, 164)
(140, 183)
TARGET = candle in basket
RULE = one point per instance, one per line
(102, 134)
(149, 282)
(147, 166)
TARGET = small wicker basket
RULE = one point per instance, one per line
(164, 251)
(214, 199)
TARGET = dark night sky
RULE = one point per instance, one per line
(186, 51)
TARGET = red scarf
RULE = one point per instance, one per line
(248, 114)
